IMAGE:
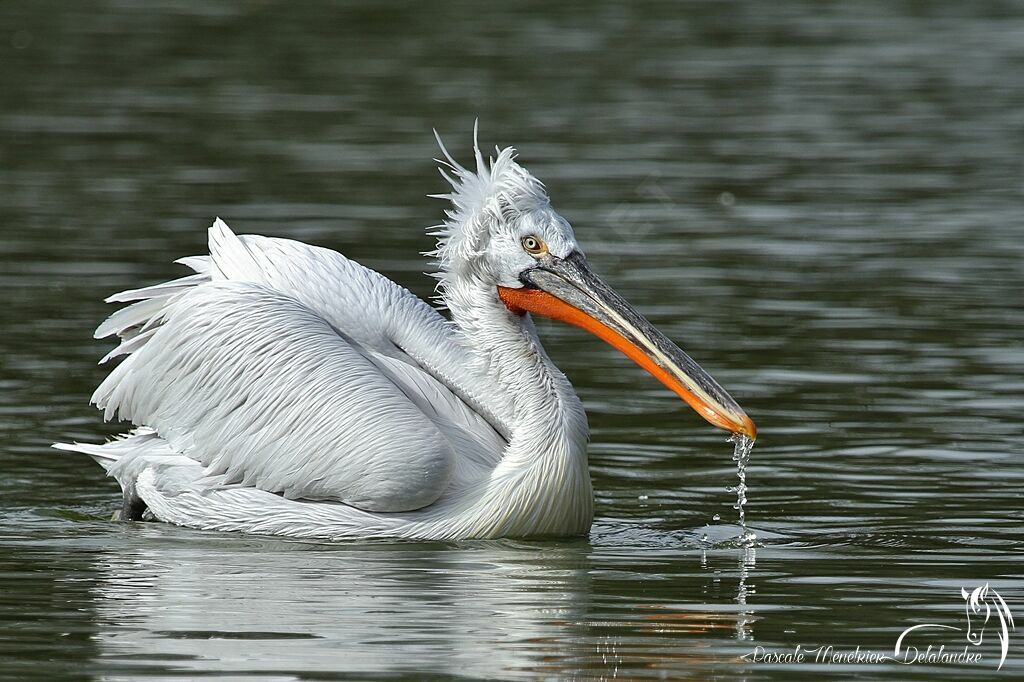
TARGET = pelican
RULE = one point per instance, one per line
(284, 389)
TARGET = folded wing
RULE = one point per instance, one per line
(269, 376)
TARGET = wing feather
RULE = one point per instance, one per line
(378, 314)
(477, 445)
(259, 388)
(193, 360)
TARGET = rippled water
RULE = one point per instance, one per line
(821, 202)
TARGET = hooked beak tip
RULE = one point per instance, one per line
(748, 428)
(736, 422)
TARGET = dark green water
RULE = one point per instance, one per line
(821, 202)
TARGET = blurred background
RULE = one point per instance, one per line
(820, 201)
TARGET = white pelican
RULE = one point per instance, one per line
(284, 389)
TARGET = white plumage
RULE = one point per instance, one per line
(284, 389)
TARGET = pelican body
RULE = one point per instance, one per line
(284, 389)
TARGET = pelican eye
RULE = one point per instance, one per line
(534, 245)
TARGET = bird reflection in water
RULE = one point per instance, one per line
(498, 609)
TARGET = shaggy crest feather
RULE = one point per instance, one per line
(483, 201)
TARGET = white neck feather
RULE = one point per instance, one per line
(543, 473)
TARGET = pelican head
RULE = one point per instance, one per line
(502, 235)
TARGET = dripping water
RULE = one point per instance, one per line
(742, 445)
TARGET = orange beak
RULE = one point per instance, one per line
(568, 291)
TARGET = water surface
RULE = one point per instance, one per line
(820, 202)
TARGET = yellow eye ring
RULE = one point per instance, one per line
(534, 245)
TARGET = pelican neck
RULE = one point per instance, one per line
(537, 395)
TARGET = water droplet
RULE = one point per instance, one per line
(716, 517)
(641, 497)
(741, 455)
(726, 199)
